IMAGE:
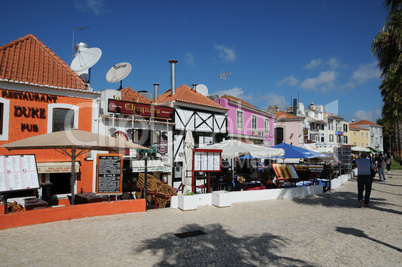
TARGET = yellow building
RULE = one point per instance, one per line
(359, 136)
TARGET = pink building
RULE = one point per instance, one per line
(248, 123)
(289, 129)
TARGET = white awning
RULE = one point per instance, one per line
(152, 166)
(57, 167)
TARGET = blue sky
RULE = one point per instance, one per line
(316, 51)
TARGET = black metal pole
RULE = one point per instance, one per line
(5, 203)
(146, 181)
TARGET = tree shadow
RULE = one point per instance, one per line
(218, 248)
(360, 233)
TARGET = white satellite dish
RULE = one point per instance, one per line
(85, 59)
(118, 72)
(202, 89)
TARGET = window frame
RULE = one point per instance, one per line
(51, 107)
(5, 119)
(239, 115)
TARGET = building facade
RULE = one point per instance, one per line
(248, 123)
(40, 94)
(375, 134)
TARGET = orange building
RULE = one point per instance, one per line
(41, 94)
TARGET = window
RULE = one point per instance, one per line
(239, 120)
(331, 138)
(354, 143)
(354, 134)
(4, 115)
(345, 128)
(366, 135)
(62, 117)
(345, 139)
(362, 135)
(254, 122)
(266, 125)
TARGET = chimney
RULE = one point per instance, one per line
(273, 109)
(156, 91)
(312, 106)
(194, 87)
(173, 75)
(295, 106)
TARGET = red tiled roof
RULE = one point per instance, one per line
(284, 115)
(28, 61)
(332, 115)
(229, 97)
(185, 94)
(356, 127)
(364, 122)
(128, 94)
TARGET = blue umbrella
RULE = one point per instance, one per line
(295, 152)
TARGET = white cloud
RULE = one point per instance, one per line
(333, 63)
(290, 80)
(313, 64)
(236, 92)
(363, 74)
(324, 82)
(371, 115)
(95, 6)
(272, 99)
(226, 53)
(189, 59)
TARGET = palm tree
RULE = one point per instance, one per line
(387, 47)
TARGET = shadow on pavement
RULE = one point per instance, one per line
(360, 233)
(218, 248)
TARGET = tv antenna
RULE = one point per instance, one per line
(222, 76)
(118, 72)
(76, 29)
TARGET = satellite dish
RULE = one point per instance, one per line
(202, 89)
(118, 72)
(85, 59)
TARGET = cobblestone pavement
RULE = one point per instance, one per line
(320, 230)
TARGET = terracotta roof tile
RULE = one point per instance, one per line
(128, 94)
(364, 122)
(238, 100)
(28, 61)
(284, 115)
(356, 127)
(185, 94)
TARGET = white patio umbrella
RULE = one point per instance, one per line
(360, 149)
(234, 148)
(72, 143)
(187, 162)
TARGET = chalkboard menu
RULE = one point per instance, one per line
(18, 172)
(109, 179)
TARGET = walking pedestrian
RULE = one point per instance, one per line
(381, 165)
(364, 179)
(389, 161)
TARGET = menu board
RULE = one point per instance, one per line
(18, 172)
(109, 179)
(207, 160)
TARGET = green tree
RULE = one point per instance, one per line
(387, 48)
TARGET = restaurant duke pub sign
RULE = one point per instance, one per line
(138, 109)
(29, 111)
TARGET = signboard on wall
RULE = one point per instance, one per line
(125, 107)
(18, 172)
(207, 160)
(109, 179)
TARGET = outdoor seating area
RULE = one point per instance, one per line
(158, 193)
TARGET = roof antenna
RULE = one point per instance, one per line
(75, 29)
(222, 76)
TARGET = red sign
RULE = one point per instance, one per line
(124, 107)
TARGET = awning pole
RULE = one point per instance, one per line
(72, 180)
